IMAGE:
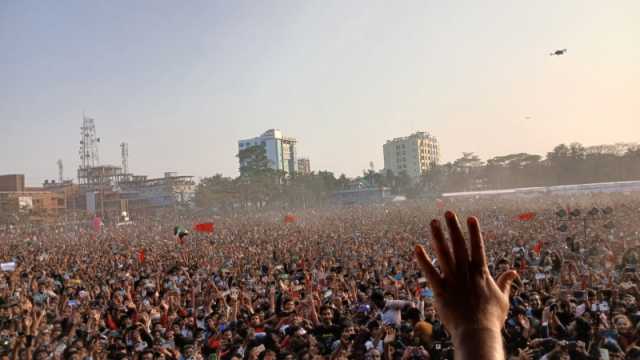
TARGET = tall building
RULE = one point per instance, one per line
(281, 150)
(414, 154)
(13, 182)
(304, 166)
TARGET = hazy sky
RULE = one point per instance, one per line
(181, 82)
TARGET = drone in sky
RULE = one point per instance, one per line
(559, 52)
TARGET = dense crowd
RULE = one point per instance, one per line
(337, 283)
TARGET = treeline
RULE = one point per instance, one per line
(259, 186)
(564, 165)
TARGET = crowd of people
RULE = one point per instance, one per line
(339, 283)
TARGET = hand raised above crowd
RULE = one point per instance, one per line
(472, 306)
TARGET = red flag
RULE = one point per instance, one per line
(207, 227)
(141, 255)
(97, 224)
(537, 248)
(289, 218)
(526, 216)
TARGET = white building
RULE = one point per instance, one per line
(414, 154)
(281, 151)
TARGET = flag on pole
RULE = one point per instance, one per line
(141, 255)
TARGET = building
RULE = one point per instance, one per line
(170, 190)
(280, 150)
(69, 190)
(304, 166)
(38, 204)
(414, 154)
(13, 182)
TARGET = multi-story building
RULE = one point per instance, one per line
(280, 150)
(13, 182)
(17, 200)
(414, 154)
(304, 166)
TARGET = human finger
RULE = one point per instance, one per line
(441, 248)
(460, 252)
(478, 257)
(505, 280)
(434, 278)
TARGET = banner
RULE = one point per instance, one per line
(526, 216)
(205, 227)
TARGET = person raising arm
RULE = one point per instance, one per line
(473, 307)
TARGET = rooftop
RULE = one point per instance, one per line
(418, 134)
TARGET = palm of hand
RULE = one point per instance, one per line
(474, 302)
(466, 296)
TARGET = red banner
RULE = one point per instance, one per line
(205, 227)
(526, 216)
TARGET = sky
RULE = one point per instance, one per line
(182, 82)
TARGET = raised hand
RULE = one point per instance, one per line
(390, 335)
(470, 303)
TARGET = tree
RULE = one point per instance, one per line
(254, 161)
(216, 191)
(258, 182)
(403, 183)
(342, 182)
(468, 161)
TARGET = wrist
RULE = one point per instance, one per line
(476, 342)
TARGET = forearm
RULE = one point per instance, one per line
(478, 344)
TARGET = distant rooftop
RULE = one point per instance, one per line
(420, 134)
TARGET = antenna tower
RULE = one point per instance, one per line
(60, 171)
(124, 152)
(88, 144)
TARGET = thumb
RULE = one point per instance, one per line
(505, 280)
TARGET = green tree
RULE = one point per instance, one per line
(254, 161)
(258, 183)
(216, 191)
